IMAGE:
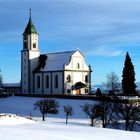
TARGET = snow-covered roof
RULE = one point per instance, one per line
(11, 85)
(56, 61)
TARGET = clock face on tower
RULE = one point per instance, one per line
(34, 37)
(34, 41)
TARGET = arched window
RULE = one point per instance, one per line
(68, 91)
(47, 81)
(56, 81)
(38, 81)
(86, 78)
(86, 90)
(68, 78)
(78, 66)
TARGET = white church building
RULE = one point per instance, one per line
(51, 73)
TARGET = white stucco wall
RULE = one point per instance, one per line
(51, 89)
(33, 58)
(77, 74)
(76, 58)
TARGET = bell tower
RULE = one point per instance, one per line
(29, 56)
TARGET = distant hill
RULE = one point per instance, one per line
(105, 90)
(95, 87)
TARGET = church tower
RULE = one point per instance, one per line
(29, 56)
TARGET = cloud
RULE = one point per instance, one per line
(105, 51)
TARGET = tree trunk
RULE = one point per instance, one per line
(92, 122)
(126, 126)
(43, 116)
(104, 126)
(66, 119)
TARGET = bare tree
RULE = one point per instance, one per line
(105, 112)
(112, 82)
(47, 106)
(91, 111)
(68, 111)
(129, 113)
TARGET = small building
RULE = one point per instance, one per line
(11, 88)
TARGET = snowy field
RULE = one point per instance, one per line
(14, 127)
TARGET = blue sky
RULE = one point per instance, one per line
(104, 30)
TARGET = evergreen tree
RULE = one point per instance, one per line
(128, 77)
(98, 92)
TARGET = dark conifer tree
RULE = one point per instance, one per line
(98, 92)
(128, 77)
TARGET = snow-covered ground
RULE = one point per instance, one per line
(25, 106)
(14, 127)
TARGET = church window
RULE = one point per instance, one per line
(24, 75)
(34, 45)
(25, 45)
(56, 81)
(86, 90)
(86, 78)
(68, 91)
(47, 81)
(38, 81)
(78, 66)
(68, 78)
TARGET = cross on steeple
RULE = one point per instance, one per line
(30, 28)
(30, 12)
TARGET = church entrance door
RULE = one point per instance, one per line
(78, 91)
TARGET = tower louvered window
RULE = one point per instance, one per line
(34, 45)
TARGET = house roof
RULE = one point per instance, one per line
(11, 85)
(56, 61)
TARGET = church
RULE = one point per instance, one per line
(52, 73)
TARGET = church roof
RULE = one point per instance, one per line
(56, 61)
(30, 28)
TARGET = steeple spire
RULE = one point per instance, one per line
(30, 28)
(30, 13)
